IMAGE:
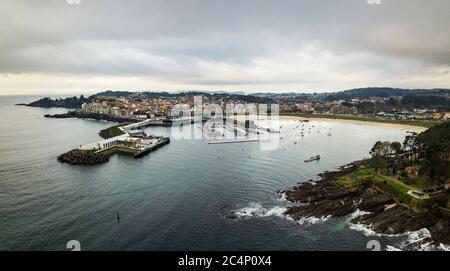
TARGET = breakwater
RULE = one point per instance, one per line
(96, 116)
(161, 142)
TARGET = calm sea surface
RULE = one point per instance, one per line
(177, 198)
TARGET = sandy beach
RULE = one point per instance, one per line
(407, 127)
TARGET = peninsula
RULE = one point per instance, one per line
(402, 188)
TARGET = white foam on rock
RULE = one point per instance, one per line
(282, 196)
(357, 213)
(418, 237)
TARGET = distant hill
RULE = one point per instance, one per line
(148, 94)
(417, 98)
(382, 92)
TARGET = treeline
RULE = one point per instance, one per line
(110, 132)
(428, 150)
(441, 103)
(383, 92)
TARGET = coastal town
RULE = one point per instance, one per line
(422, 106)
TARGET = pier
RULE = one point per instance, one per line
(128, 143)
(146, 123)
(233, 141)
(137, 147)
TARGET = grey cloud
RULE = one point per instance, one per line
(171, 39)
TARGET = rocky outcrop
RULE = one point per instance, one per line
(324, 198)
(71, 102)
(84, 158)
(95, 116)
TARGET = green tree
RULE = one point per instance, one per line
(396, 147)
(410, 147)
(434, 143)
(378, 152)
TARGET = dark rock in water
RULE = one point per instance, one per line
(397, 219)
(325, 198)
(441, 231)
(95, 116)
(84, 158)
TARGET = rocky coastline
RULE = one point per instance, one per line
(94, 116)
(380, 212)
(106, 117)
(71, 102)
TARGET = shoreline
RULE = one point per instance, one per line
(413, 128)
(409, 127)
(379, 211)
(410, 123)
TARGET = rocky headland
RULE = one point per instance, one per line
(71, 102)
(380, 211)
(95, 116)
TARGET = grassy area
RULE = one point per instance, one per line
(391, 181)
(389, 184)
(353, 180)
(420, 182)
(421, 123)
(112, 131)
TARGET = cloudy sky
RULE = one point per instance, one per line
(51, 46)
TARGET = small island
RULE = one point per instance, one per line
(402, 188)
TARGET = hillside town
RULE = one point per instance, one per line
(141, 106)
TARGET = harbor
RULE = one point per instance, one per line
(133, 142)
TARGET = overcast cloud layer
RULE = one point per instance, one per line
(49, 46)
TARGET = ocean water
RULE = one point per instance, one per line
(179, 197)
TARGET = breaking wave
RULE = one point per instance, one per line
(357, 213)
(421, 240)
(255, 210)
(367, 230)
(418, 240)
(312, 220)
(282, 196)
